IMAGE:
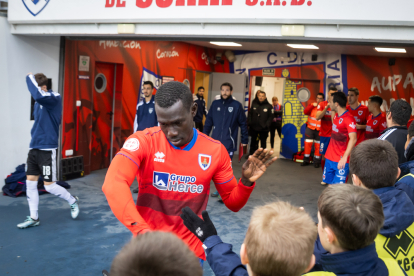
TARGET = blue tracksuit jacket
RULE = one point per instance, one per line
(406, 181)
(145, 116)
(224, 118)
(47, 115)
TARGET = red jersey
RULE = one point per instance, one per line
(375, 126)
(170, 178)
(361, 115)
(341, 127)
(326, 121)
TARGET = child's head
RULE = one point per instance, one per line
(350, 217)
(156, 253)
(374, 164)
(279, 241)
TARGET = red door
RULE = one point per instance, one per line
(102, 115)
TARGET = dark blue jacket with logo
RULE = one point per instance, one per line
(201, 110)
(145, 116)
(406, 181)
(47, 114)
(224, 118)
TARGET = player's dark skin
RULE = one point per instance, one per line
(176, 122)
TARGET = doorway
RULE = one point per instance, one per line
(202, 79)
(107, 114)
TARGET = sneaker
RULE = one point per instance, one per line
(304, 164)
(215, 194)
(323, 183)
(135, 191)
(220, 199)
(29, 222)
(74, 208)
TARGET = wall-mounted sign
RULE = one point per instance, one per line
(84, 63)
(83, 77)
(167, 79)
(268, 72)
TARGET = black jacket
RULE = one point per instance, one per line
(260, 115)
(397, 136)
(201, 110)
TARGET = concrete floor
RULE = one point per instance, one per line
(62, 246)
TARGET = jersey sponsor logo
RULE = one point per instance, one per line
(369, 129)
(360, 112)
(230, 109)
(335, 128)
(341, 120)
(375, 122)
(204, 161)
(132, 144)
(150, 110)
(357, 119)
(176, 183)
(399, 243)
(159, 157)
(352, 125)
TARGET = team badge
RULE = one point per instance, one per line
(360, 112)
(150, 110)
(375, 122)
(35, 6)
(341, 120)
(204, 161)
(131, 144)
(230, 109)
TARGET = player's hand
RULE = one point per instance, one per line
(315, 104)
(327, 106)
(30, 74)
(256, 165)
(342, 163)
(201, 228)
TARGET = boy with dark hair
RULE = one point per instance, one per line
(374, 166)
(342, 141)
(146, 116)
(41, 159)
(377, 122)
(350, 218)
(287, 252)
(201, 108)
(359, 111)
(156, 254)
(174, 165)
(396, 133)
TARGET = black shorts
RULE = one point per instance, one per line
(312, 134)
(42, 162)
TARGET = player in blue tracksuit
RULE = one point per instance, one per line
(41, 159)
(146, 116)
(201, 109)
(225, 116)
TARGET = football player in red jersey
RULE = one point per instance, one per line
(174, 164)
(377, 122)
(360, 113)
(343, 140)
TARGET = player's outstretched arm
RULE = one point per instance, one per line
(47, 99)
(256, 165)
(118, 179)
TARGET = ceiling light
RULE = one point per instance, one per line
(225, 43)
(302, 46)
(390, 50)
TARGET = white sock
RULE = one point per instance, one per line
(60, 192)
(32, 198)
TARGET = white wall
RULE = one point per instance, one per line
(20, 55)
(272, 86)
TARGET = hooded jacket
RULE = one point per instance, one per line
(260, 115)
(224, 118)
(397, 235)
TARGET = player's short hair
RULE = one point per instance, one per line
(333, 88)
(201, 87)
(353, 213)
(340, 98)
(41, 79)
(149, 83)
(227, 84)
(280, 238)
(400, 112)
(375, 162)
(376, 99)
(171, 92)
(156, 253)
(321, 94)
(353, 89)
(411, 131)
